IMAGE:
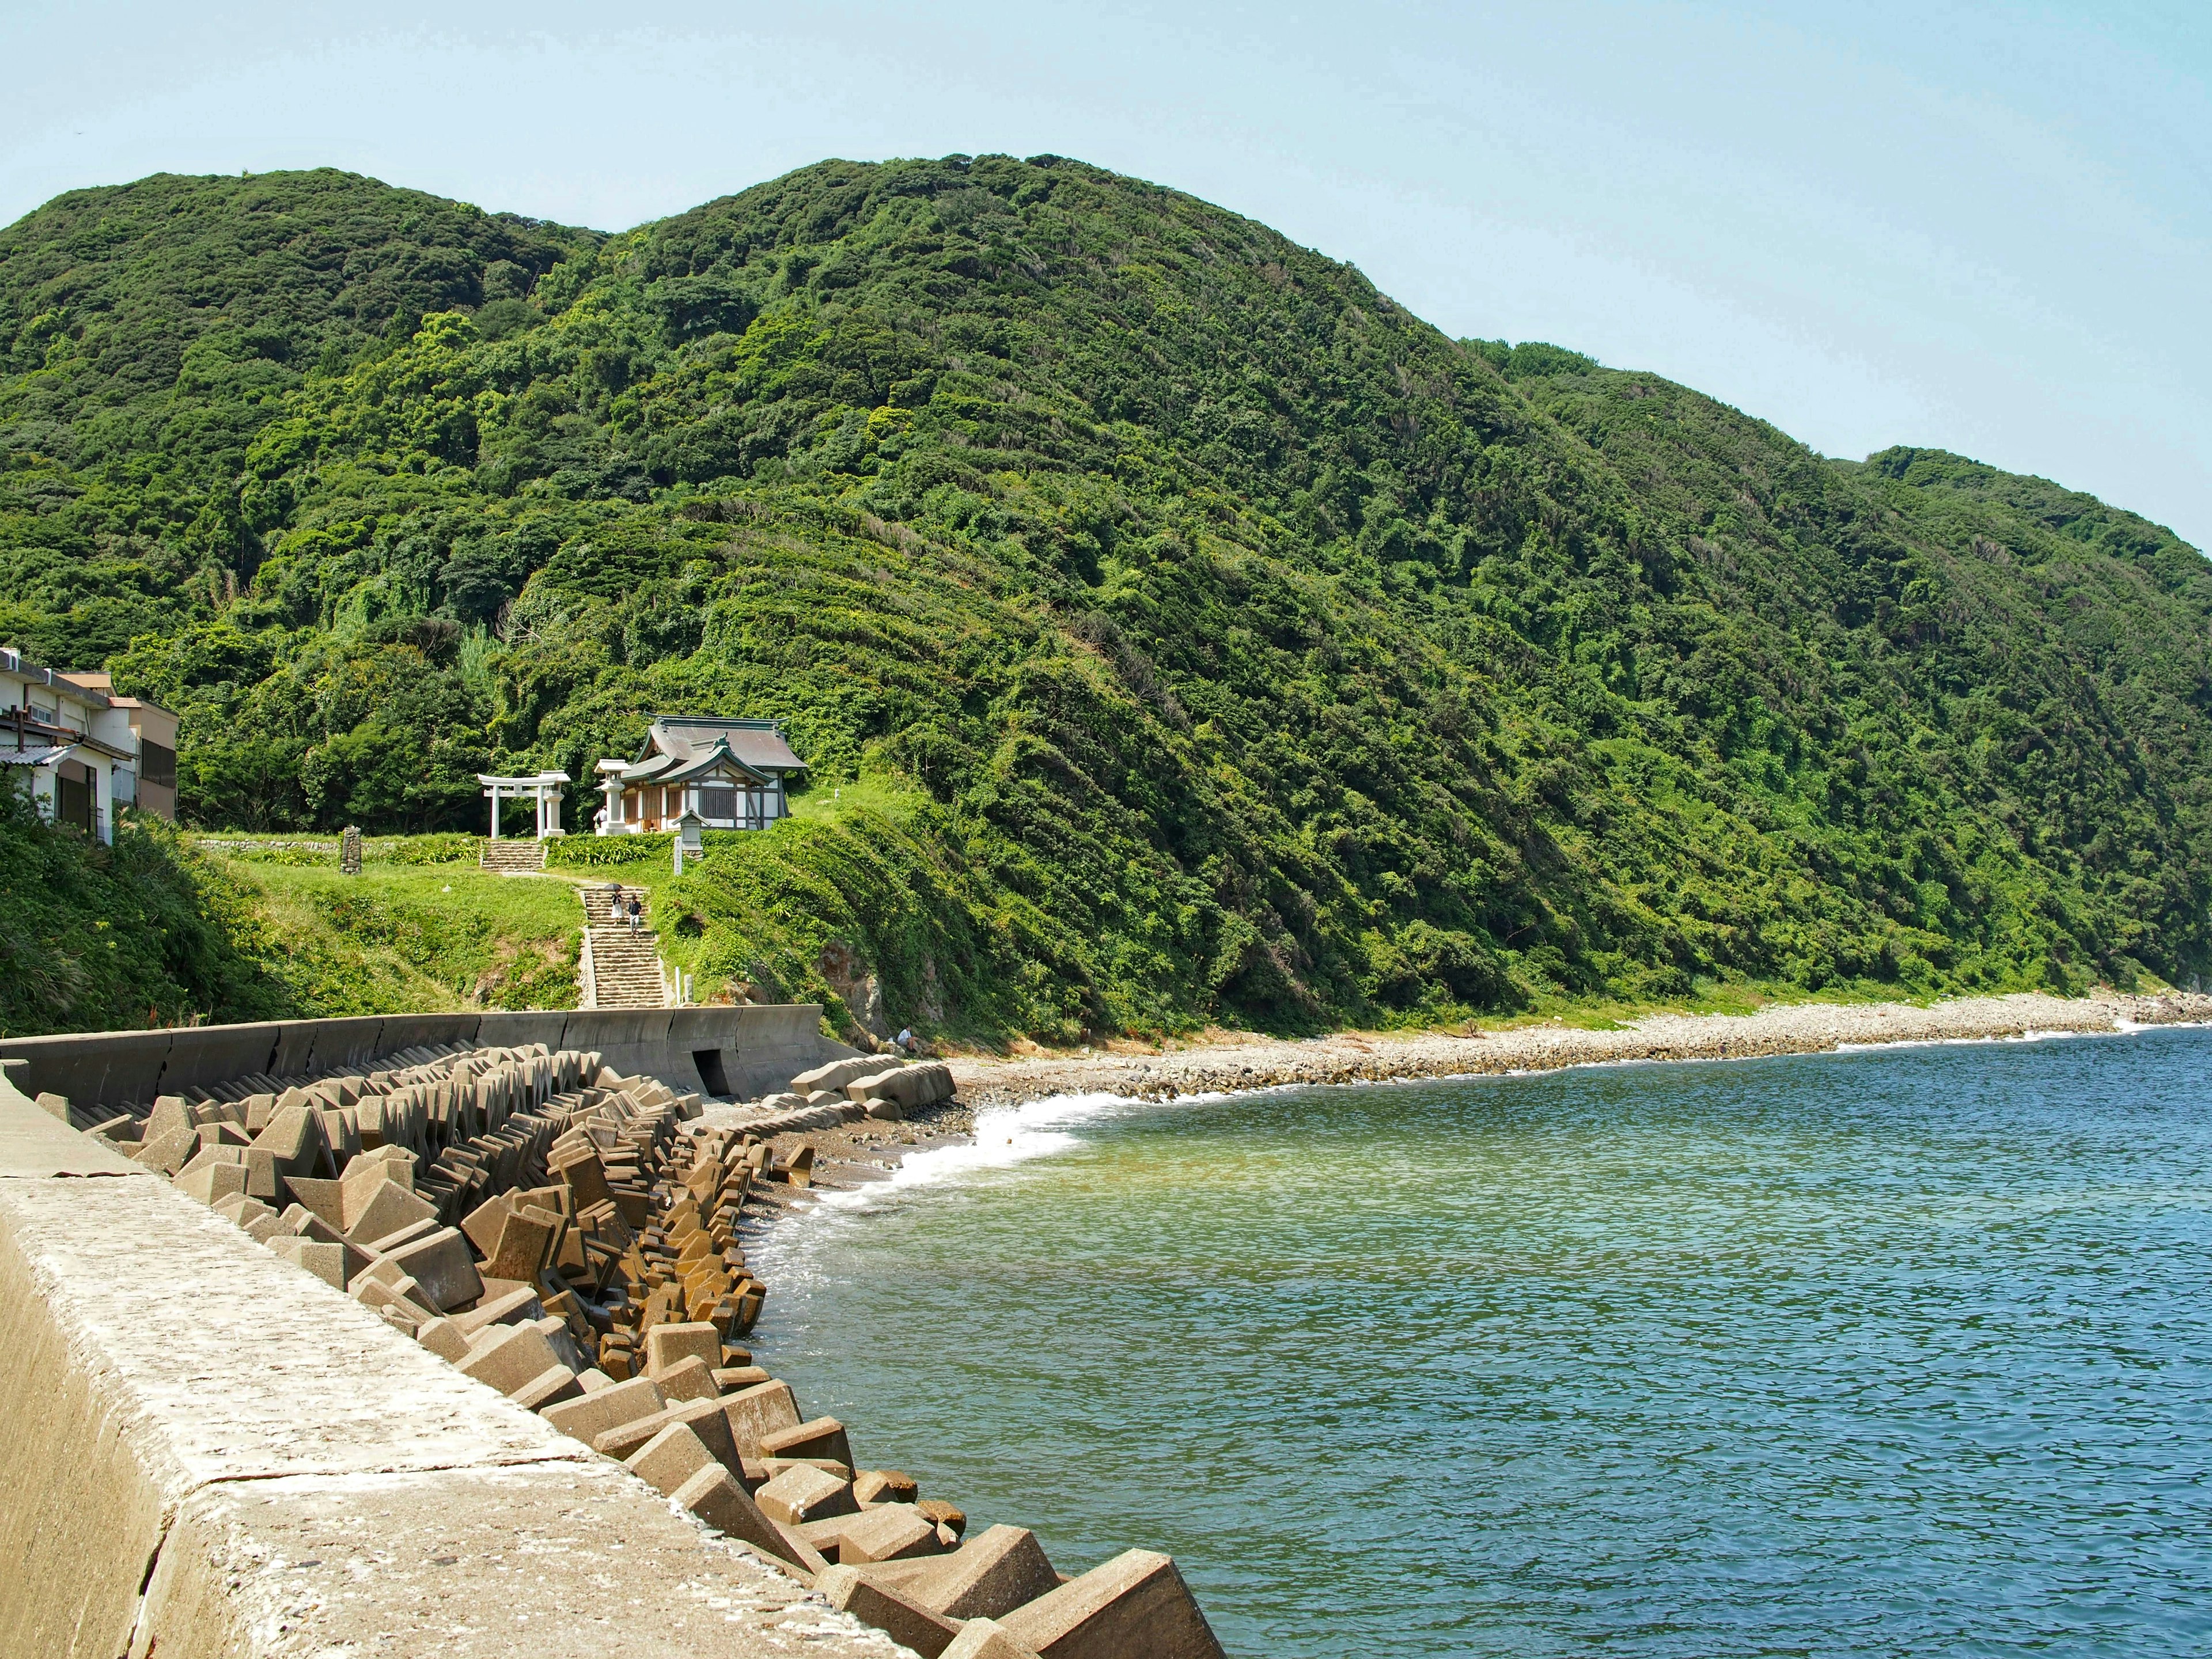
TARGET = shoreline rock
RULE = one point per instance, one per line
(1242, 1061)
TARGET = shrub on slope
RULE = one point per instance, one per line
(1255, 650)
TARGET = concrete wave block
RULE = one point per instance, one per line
(985, 1638)
(889, 1532)
(326, 1261)
(689, 1379)
(670, 1458)
(905, 1621)
(441, 1263)
(376, 1212)
(587, 1419)
(994, 1572)
(669, 1345)
(212, 1183)
(803, 1493)
(825, 1436)
(508, 1357)
(715, 1497)
(763, 1409)
(556, 1383)
(1134, 1607)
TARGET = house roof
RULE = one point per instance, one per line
(758, 745)
(701, 762)
(36, 757)
(12, 662)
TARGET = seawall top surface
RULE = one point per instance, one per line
(757, 1048)
(213, 1452)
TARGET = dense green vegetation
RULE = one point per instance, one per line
(140, 934)
(1190, 632)
(164, 929)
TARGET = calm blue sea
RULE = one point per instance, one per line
(1899, 1351)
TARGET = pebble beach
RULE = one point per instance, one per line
(1228, 1062)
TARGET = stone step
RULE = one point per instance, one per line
(509, 856)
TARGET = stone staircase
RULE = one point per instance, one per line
(509, 858)
(620, 969)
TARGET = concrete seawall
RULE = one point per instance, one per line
(714, 1051)
(210, 1452)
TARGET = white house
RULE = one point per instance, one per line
(730, 772)
(86, 751)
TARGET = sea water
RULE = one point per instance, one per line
(1895, 1351)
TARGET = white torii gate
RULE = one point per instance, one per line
(545, 786)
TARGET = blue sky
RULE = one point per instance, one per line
(1987, 228)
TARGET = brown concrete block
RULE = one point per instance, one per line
(509, 1357)
(670, 1458)
(381, 1211)
(904, 1621)
(805, 1560)
(996, 1571)
(1135, 1604)
(827, 1536)
(624, 1441)
(888, 1532)
(239, 1209)
(772, 1467)
(166, 1153)
(556, 1385)
(883, 1486)
(716, 1498)
(262, 1179)
(406, 1234)
(985, 1638)
(518, 1306)
(444, 1338)
(764, 1409)
(397, 1296)
(805, 1494)
(212, 1183)
(825, 1436)
(481, 1224)
(667, 1346)
(587, 1419)
(690, 1380)
(294, 1138)
(359, 1185)
(736, 1379)
(945, 1514)
(583, 1175)
(706, 1419)
(528, 1239)
(321, 1197)
(326, 1261)
(440, 1262)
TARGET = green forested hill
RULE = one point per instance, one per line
(1211, 637)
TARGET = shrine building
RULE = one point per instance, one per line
(730, 773)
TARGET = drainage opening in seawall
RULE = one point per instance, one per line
(709, 1062)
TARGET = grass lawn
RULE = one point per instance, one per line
(412, 938)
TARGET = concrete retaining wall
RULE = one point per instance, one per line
(754, 1050)
(210, 1452)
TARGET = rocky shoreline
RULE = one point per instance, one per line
(854, 1155)
(1230, 1062)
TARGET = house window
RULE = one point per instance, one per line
(718, 804)
(157, 765)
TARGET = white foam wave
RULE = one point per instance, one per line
(2028, 1036)
(1004, 1137)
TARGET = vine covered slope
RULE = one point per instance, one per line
(1176, 628)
